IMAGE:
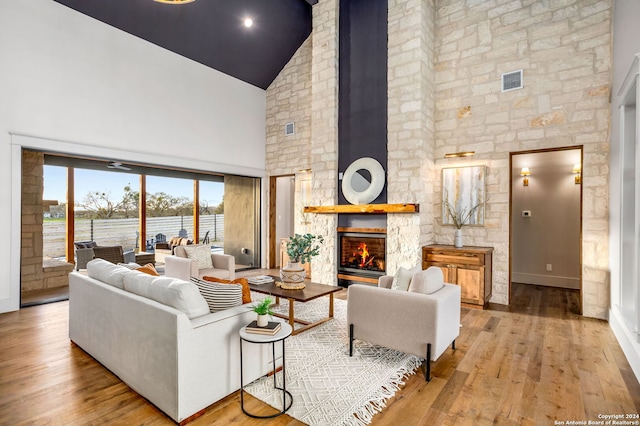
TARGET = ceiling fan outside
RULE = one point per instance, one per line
(117, 165)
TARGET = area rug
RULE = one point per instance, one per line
(328, 386)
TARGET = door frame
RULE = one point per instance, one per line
(273, 243)
(539, 151)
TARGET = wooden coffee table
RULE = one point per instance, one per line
(310, 292)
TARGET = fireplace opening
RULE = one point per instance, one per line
(361, 257)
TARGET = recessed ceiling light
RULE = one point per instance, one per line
(248, 22)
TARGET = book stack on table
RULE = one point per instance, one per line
(270, 329)
(260, 279)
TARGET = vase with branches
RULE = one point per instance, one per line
(460, 217)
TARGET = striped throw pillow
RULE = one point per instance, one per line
(130, 265)
(219, 296)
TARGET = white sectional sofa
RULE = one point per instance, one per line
(175, 354)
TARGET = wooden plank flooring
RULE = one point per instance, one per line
(531, 363)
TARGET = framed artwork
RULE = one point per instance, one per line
(463, 195)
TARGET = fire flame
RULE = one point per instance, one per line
(363, 253)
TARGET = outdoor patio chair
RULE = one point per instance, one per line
(84, 253)
(114, 254)
(205, 240)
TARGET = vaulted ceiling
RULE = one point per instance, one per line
(212, 33)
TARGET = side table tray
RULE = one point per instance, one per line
(280, 336)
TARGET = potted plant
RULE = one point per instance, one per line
(300, 249)
(263, 309)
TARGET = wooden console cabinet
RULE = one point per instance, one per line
(469, 267)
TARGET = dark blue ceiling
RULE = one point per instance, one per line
(211, 32)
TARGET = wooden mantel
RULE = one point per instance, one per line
(365, 208)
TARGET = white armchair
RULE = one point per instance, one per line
(180, 266)
(422, 321)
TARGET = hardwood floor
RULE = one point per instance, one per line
(531, 363)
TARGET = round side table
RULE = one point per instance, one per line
(284, 332)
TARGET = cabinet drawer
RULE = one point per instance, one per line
(455, 258)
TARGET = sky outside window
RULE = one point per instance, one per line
(87, 181)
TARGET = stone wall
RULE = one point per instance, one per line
(35, 273)
(445, 64)
(305, 92)
(410, 128)
(324, 134)
(289, 100)
(563, 48)
(31, 277)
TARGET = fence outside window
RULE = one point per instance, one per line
(122, 232)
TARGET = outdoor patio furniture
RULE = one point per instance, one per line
(114, 254)
(205, 240)
(163, 249)
(84, 253)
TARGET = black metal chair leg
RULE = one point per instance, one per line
(350, 339)
(453, 345)
(427, 374)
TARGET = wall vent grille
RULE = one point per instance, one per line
(512, 81)
(289, 129)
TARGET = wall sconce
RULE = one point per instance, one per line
(524, 173)
(577, 169)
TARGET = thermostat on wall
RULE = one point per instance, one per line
(526, 213)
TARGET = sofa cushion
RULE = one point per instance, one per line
(139, 283)
(181, 295)
(219, 296)
(201, 254)
(246, 291)
(402, 278)
(428, 281)
(107, 272)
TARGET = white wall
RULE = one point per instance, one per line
(82, 86)
(626, 43)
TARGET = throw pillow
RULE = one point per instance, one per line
(201, 254)
(219, 296)
(246, 291)
(181, 295)
(148, 269)
(428, 281)
(402, 278)
(130, 265)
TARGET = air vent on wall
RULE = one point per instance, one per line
(288, 129)
(512, 81)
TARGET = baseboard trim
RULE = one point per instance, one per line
(547, 280)
(193, 417)
(625, 337)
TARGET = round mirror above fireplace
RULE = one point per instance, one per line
(356, 188)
